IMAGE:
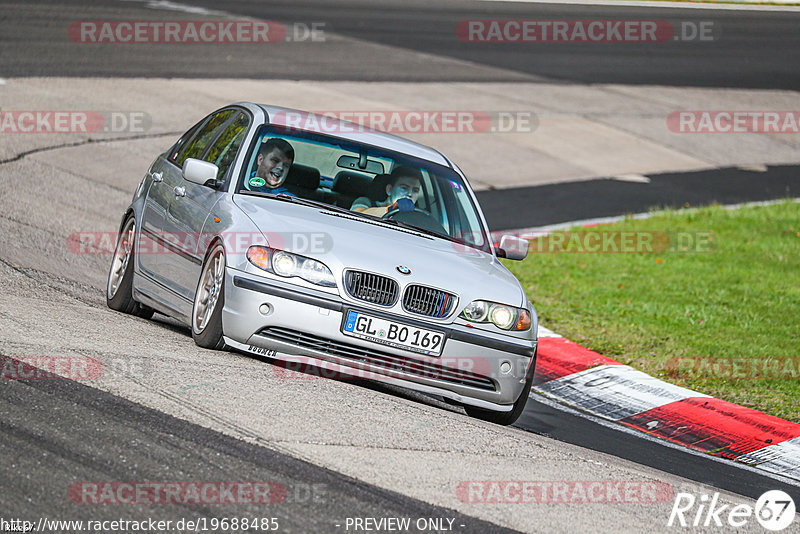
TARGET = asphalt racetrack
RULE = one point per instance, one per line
(742, 53)
(336, 451)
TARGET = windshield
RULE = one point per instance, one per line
(367, 181)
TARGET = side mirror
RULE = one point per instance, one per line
(200, 172)
(512, 247)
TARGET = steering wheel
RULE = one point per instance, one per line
(391, 213)
(419, 217)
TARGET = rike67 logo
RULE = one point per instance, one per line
(775, 510)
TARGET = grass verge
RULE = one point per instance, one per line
(718, 313)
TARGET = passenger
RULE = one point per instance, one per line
(274, 159)
(402, 190)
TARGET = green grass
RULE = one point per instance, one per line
(740, 300)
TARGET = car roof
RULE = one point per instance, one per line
(362, 134)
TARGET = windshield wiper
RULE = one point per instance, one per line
(299, 200)
(412, 227)
(314, 203)
(433, 233)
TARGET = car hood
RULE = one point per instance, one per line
(342, 241)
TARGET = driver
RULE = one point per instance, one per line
(402, 191)
(274, 159)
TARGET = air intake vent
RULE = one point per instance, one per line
(428, 301)
(371, 287)
(384, 362)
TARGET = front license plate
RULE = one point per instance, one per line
(393, 334)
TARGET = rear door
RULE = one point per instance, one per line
(157, 202)
(160, 263)
(191, 205)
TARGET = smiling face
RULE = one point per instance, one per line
(273, 167)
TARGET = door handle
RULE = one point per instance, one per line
(158, 176)
(180, 191)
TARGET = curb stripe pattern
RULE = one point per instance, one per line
(783, 458)
(614, 392)
(562, 357)
(581, 378)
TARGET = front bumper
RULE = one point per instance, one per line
(480, 369)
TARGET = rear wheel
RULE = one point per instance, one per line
(119, 290)
(506, 418)
(209, 299)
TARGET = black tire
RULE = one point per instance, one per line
(207, 328)
(119, 288)
(506, 418)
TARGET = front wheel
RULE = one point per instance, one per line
(506, 418)
(209, 299)
(119, 290)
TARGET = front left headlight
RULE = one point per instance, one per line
(289, 265)
(500, 315)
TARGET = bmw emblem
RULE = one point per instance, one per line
(402, 269)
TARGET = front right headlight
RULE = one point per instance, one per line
(500, 315)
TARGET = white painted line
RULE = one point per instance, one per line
(2, 81)
(546, 332)
(615, 391)
(558, 405)
(174, 6)
(183, 8)
(633, 177)
(792, 4)
(782, 458)
(753, 168)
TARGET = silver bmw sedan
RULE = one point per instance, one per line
(327, 245)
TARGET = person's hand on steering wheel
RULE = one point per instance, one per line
(400, 205)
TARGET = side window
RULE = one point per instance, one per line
(224, 149)
(195, 147)
(176, 148)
